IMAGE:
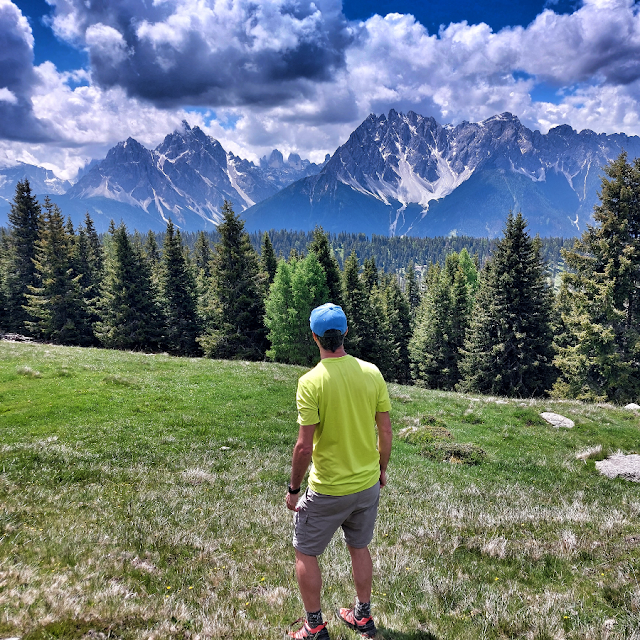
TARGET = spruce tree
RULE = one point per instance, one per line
(357, 307)
(322, 248)
(130, 315)
(25, 220)
(56, 307)
(396, 331)
(370, 276)
(412, 289)
(4, 257)
(268, 258)
(509, 347)
(599, 301)
(235, 309)
(178, 296)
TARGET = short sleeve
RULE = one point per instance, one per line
(384, 404)
(307, 403)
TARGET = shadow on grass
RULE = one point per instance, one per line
(390, 634)
(72, 629)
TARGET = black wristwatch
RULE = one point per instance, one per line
(293, 491)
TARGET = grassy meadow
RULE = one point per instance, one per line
(142, 496)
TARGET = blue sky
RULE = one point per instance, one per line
(77, 77)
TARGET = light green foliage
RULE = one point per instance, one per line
(509, 345)
(299, 286)
(144, 495)
(234, 309)
(321, 247)
(599, 301)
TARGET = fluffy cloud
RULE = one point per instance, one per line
(206, 52)
(299, 77)
(17, 77)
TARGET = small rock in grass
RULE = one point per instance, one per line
(557, 420)
(621, 465)
(225, 448)
(633, 406)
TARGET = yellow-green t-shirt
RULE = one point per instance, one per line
(342, 396)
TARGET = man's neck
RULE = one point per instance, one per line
(332, 354)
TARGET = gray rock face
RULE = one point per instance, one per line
(186, 178)
(415, 176)
(622, 466)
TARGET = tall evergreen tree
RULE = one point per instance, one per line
(130, 315)
(178, 296)
(56, 307)
(4, 258)
(599, 300)
(322, 248)
(412, 289)
(268, 258)
(357, 307)
(25, 220)
(509, 348)
(396, 331)
(370, 275)
(299, 287)
(236, 306)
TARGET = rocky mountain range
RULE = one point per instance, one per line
(397, 174)
(405, 174)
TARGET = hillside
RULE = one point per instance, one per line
(143, 495)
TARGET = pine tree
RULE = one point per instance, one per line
(56, 307)
(322, 248)
(396, 332)
(130, 315)
(178, 296)
(370, 276)
(202, 255)
(509, 348)
(25, 220)
(268, 258)
(236, 307)
(4, 257)
(599, 300)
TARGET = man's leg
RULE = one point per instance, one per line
(362, 567)
(310, 580)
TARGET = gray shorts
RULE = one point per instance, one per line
(321, 515)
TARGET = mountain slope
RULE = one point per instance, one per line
(407, 174)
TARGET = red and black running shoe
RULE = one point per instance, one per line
(317, 633)
(364, 626)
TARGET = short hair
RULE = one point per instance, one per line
(332, 340)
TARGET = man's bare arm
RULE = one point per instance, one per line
(300, 462)
(385, 436)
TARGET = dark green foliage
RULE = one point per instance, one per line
(360, 341)
(178, 296)
(4, 258)
(598, 338)
(321, 246)
(130, 315)
(299, 287)
(369, 274)
(235, 309)
(88, 260)
(442, 327)
(268, 258)
(25, 220)
(396, 332)
(412, 289)
(509, 348)
(152, 251)
(56, 306)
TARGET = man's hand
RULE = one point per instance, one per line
(383, 478)
(292, 501)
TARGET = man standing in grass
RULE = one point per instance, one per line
(339, 402)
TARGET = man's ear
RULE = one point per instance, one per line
(347, 331)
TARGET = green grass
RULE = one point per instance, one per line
(143, 496)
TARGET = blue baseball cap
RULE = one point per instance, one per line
(327, 316)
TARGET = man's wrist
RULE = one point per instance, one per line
(293, 491)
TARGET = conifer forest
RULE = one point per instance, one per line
(518, 316)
